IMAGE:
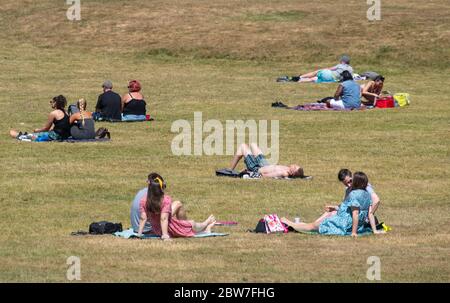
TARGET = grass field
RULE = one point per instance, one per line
(221, 58)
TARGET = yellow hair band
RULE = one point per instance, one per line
(160, 182)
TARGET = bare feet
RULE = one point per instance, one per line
(210, 220)
(208, 228)
(13, 133)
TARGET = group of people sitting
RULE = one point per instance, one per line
(154, 212)
(130, 107)
(60, 125)
(77, 123)
(348, 94)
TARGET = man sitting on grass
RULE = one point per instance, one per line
(257, 163)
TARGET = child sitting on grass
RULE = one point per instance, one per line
(167, 218)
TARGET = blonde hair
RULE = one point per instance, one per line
(81, 104)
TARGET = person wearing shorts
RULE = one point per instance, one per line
(256, 162)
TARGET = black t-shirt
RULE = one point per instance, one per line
(109, 104)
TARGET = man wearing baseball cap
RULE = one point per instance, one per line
(109, 104)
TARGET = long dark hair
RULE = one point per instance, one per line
(155, 192)
(360, 180)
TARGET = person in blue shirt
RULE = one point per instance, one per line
(347, 95)
(135, 214)
(350, 216)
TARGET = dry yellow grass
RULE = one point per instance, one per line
(221, 58)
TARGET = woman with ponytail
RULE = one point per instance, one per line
(83, 126)
(167, 218)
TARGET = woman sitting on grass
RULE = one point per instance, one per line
(82, 123)
(133, 103)
(57, 126)
(350, 216)
(372, 90)
(167, 218)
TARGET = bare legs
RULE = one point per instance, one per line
(204, 226)
(244, 150)
(179, 212)
(309, 226)
(309, 77)
(301, 226)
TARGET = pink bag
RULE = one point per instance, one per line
(273, 224)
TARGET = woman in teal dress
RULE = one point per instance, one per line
(350, 216)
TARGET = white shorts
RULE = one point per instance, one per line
(337, 104)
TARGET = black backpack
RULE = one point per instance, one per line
(102, 132)
(104, 227)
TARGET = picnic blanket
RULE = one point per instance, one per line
(356, 77)
(130, 234)
(316, 106)
(226, 172)
(316, 232)
(70, 140)
(85, 140)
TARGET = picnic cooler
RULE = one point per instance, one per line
(385, 102)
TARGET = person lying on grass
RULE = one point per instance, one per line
(347, 95)
(346, 219)
(371, 91)
(168, 219)
(57, 126)
(256, 162)
(82, 122)
(331, 74)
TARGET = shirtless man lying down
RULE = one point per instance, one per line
(256, 162)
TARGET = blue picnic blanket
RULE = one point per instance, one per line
(130, 234)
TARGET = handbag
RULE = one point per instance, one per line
(402, 99)
(273, 224)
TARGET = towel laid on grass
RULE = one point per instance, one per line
(129, 234)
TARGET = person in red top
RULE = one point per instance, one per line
(168, 219)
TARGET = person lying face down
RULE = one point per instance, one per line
(256, 162)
